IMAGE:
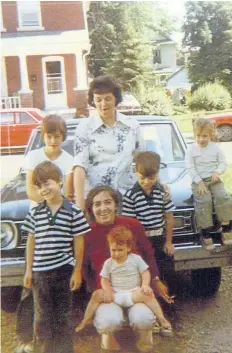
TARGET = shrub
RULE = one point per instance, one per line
(154, 101)
(210, 96)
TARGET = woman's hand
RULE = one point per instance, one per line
(161, 291)
(108, 295)
(169, 248)
(202, 189)
(145, 289)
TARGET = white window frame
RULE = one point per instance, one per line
(22, 27)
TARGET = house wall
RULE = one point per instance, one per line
(12, 74)
(56, 15)
(64, 15)
(168, 56)
(35, 74)
(9, 15)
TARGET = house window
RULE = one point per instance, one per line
(156, 57)
(29, 14)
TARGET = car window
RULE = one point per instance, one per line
(162, 139)
(24, 118)
(7, 118)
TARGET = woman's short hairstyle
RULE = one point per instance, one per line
(203, 124)
(45, 171)
(94, 192)
(52, 124)
(104, 84)
(120, 235)
(147, 163)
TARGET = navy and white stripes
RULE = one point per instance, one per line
(54, 235)
(149, 210)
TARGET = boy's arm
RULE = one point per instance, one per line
(79, 175)
(108, 290)
(76, 278)
(168, 246)
(191, 167)
(68, 187)
(146, 279)
(29, 260)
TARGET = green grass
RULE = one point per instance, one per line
(184, 116)
(227, 179)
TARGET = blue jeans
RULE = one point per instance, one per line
(52, 303)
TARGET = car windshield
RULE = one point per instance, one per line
(159, 137)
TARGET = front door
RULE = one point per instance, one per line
(55, 95)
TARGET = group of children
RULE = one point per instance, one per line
(54, 224)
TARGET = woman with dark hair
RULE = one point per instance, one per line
(104, 144)
(101, 207)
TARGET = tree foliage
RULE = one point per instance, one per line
(208, 34)
(120, 34)
(210, 96)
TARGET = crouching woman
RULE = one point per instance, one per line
(101, 207)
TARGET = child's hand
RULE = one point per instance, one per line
(145, 289)
(215, 177)
(108, 295)
(27, 280)
(202, 189)
(76, 279)
(169, 248)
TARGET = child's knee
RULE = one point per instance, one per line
(98, 296)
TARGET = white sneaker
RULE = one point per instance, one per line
(227, 238)
(207, 243)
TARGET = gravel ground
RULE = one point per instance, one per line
(200, 325)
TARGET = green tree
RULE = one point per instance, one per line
(208, 34)
(120, 34)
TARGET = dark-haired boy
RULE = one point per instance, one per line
(54, 227)
(146, 201)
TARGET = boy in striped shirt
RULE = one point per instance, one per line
(55, 226)
(147, 202)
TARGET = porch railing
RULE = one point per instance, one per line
(10, 102)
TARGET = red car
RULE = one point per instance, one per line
(17, 124)
(223, 123)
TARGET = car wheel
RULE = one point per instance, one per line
(205, 282)
(225, 133)
(10, 298)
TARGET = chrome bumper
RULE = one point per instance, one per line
(195, 257)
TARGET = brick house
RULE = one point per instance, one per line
(44, 49)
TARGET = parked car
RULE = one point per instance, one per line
(17, 125)
(161, 135)
(223, 123)
(129, 104)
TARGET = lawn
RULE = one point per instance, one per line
(184, 116)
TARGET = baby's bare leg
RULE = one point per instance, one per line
(152, 303)
(96, 299)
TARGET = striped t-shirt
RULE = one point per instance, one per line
(148, 209)
(54, 234)
(125, 276)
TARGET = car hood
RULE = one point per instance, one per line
(15, 205)
(14, 201)
(176, 176)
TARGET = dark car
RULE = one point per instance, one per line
(163, 136)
